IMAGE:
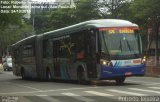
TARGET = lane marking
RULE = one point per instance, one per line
(154, 87)
(144, 83)
(70, 94)
(126, 92)
(12, 93)
(78, 97)
(23, 86)
(153, 84)
(42, 91)
(41, 95)
(70, 89)
(98, 93)
(31, 88)
(48, 98)
(145, 90)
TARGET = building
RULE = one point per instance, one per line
(38, 6)
(27, 4)
(65, 3)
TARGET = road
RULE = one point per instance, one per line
(136, 88)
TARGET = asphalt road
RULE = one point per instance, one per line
(135, 89)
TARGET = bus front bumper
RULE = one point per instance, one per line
(112, 72)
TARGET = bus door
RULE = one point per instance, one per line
(91, 54)
(56, 59)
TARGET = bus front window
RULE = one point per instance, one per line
(121, 43)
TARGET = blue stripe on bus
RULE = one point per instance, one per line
(109, 72)
(118, 63)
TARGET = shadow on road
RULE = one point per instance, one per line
(93, 83)
(15, 79)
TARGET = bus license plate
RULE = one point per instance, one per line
(128, 73)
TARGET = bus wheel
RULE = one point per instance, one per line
(81, 76)
(120, 80)
(48, 75)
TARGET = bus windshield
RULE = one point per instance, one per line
(121, 43)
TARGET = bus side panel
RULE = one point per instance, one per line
(73, 68)
(64, 69)
(28, 65)
(16, 59)
(48, 57)
(39, 64)
(24, 58)
(28, 61)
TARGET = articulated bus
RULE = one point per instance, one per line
(104, 49)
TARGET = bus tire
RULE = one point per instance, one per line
(48, 75)
(81, 76)
(120, 80)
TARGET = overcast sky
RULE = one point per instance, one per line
(43, 0)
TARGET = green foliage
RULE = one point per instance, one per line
(87, 10)
(41, 22)
(12, 34)
(9, 18)
(10, 27)
(138, 11)
(116, 8)
(62, 17)
(146, 13)
(145, 9)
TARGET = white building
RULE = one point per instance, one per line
(27, 4)
(65, 3)
(44, 5)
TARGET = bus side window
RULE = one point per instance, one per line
(56, 46)
(28, 50)
(79, 44)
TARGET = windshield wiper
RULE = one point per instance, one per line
(105, 44)
(120, 46)
(131, 49)
(128, 45)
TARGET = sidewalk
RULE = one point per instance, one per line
(151, 69)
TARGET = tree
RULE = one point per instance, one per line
(116, 8)
(11, 25)
(87, 10)
(62, 17)
(9, 18)
(41, 22)
(84, 10)
(146, 10)
(12, 34)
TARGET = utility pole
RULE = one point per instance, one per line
(33, 29)
(70, 2)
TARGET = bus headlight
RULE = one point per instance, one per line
(105, 62)
(144, 59)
